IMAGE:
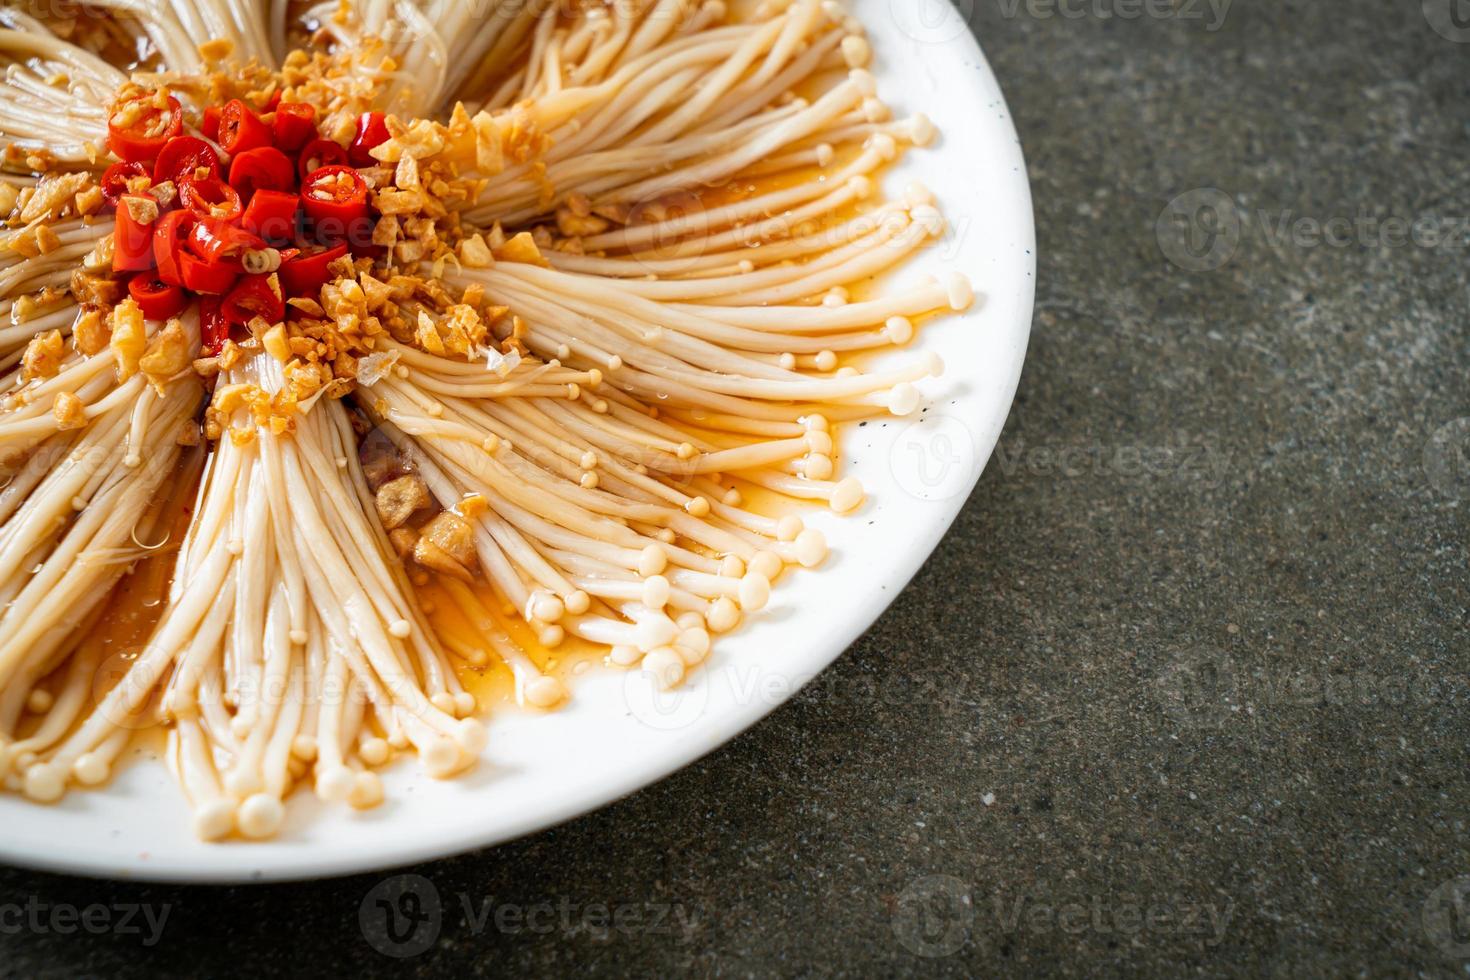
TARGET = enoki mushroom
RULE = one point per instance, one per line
(611, 300)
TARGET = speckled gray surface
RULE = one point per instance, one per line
(1185, 690)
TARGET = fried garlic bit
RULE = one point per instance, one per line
(69, 411)
(169, 355)
(43, 356)
(129, 337)
(400, 499)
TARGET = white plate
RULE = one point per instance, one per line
(616, 736)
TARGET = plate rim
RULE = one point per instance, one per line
(231, 869)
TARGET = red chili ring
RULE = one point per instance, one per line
(214, 240)
(136, 143)
(336, 200)
(210, 198)
(183, 157)
(317, 154)
(263, 168)
(372, 130)
(304, 275)
(272, 215)
(169, 236)
(295, 125)
(115, 179)
(132, 241)
(254, 297)
(157, 299)
(240, 129)
(214, 278)
(214, 329)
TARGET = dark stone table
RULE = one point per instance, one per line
(1193, 663)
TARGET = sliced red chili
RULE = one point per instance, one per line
(214, 329)
(336, 200)
(137, 129)
(169, 236)
(213, 240)
(272, 215)
(263, 168)
(372, 131)
(132, 240)
(240, 129)
(183, 157)
(304, 274)
(200, 276)
(254, 296)
(158, 300)
(210, 198)
(274, 102)
(209, 126)
(317, 154)
(295, 125)
(115, 179)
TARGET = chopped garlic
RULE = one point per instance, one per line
(376, 367)
(502, 364)
(89, 334)
(129, 337)
(43, 356)
(168, 356)
(69, 411)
